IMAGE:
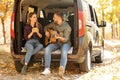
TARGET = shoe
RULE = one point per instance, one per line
(61, 71)
(24, 70)
(46, 71)
(22, 61)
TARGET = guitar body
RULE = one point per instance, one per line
(52, 38)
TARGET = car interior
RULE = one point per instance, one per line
(45, 10)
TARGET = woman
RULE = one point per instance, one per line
(32, 35)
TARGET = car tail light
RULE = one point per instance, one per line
(81, 23)
(12, 26)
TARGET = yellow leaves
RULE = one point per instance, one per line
(2, 8)
(115, 2)
(110, 8)
(5, 8)
(116, 78)
(8, 1)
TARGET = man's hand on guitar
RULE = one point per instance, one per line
(57, 36)
(47, 34)
(60, 38)
(52, 36)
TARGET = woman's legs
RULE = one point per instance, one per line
(33, 46)
(37, 47)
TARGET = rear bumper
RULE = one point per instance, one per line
(56, 55)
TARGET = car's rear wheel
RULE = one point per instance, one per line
(100, 57)
(85, 66)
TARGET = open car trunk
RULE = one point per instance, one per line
(45, 10)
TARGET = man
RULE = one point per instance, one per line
(63, 43)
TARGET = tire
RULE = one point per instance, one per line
(85, 66)
(100, 57)
(18, 66)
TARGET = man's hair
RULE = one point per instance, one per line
(59, 14)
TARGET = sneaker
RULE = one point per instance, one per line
(46, 71)
(61, 71)
(24, 70)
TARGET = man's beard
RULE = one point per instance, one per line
(56, 22)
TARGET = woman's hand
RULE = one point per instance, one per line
(33, 30)
(40, 35)
(36, 30)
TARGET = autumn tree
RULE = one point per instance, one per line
(102, 9)
(116, 12)
(110, 10)
(5, 9)
(6, 59)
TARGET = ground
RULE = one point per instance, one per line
(108, 70)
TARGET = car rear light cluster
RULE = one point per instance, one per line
(81, 23)
(12, 26)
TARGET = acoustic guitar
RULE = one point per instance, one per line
(52, 38)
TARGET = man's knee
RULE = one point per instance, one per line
(64, 53)
(47, 49)
(40, 46)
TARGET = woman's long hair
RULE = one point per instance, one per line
(29, 21)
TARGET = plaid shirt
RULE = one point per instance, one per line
(28, 30)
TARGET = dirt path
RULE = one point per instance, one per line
(108, 70)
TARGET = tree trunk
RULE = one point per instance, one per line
(3, 30)
(103, 29)
(3, 19)
(119, 29)
(112, 31)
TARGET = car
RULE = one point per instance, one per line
(87, 42)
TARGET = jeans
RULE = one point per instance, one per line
(32, 46)
(52, 47)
